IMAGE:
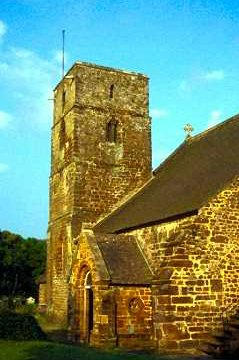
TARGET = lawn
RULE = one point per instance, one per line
(42, 350)
(54, 349)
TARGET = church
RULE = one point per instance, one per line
(137, 259)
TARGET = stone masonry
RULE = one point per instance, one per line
(90, 169)
(195, 262)
(122, 312)
(120, 275)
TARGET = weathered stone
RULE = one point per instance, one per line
(216, 285)
(219, 239)
(167, 289)
(194, 259)
(172, 332)
(182, 300)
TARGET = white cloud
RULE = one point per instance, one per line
(158, 113)
(3, 167)
(58, 57)
(215, 118)
(214, 75)
(184, 86)
(3, 28)
(29, 79)
(22, 53)
(200, 78)
(5, 119)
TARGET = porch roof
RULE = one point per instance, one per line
(124, 260)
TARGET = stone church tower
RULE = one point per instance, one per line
(101, 151)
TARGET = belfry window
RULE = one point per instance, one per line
(112, 91)
(111, 131)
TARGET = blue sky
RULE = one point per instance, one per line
(188, 48)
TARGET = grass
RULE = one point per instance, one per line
(55, 350)
(42, 350)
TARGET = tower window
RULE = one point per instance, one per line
(111, 131)
(63, 98)
(111, 91)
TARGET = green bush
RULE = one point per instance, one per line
(11, 303)
(27, 309)
(14, 326)
(4, 306)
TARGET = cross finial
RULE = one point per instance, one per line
(188, 130)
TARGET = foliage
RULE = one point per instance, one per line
(27, 309)
(22, 261)
(14, 326)
(53, 351)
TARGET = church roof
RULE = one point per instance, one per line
(197, 170)
(124, 260)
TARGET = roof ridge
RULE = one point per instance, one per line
(194, 138)
(181, 146)
(215, 127)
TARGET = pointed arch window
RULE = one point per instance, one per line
(111, 131)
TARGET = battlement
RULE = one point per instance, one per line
(78, 64)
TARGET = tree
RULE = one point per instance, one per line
(22, 261)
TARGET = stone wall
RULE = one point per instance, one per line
(134, 317)
(88, 260)
(122, 313)
(196, 267)
(221, 219)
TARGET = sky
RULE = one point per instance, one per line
(188, 48)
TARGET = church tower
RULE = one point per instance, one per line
(101, 151)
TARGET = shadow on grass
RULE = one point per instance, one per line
(58, 336)
(54, 351)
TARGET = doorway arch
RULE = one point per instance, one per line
(88, 306)
(84, 299)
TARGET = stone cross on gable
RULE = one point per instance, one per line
(188, 130)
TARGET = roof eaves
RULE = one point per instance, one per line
(158, 222)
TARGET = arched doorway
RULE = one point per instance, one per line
(88, 306)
